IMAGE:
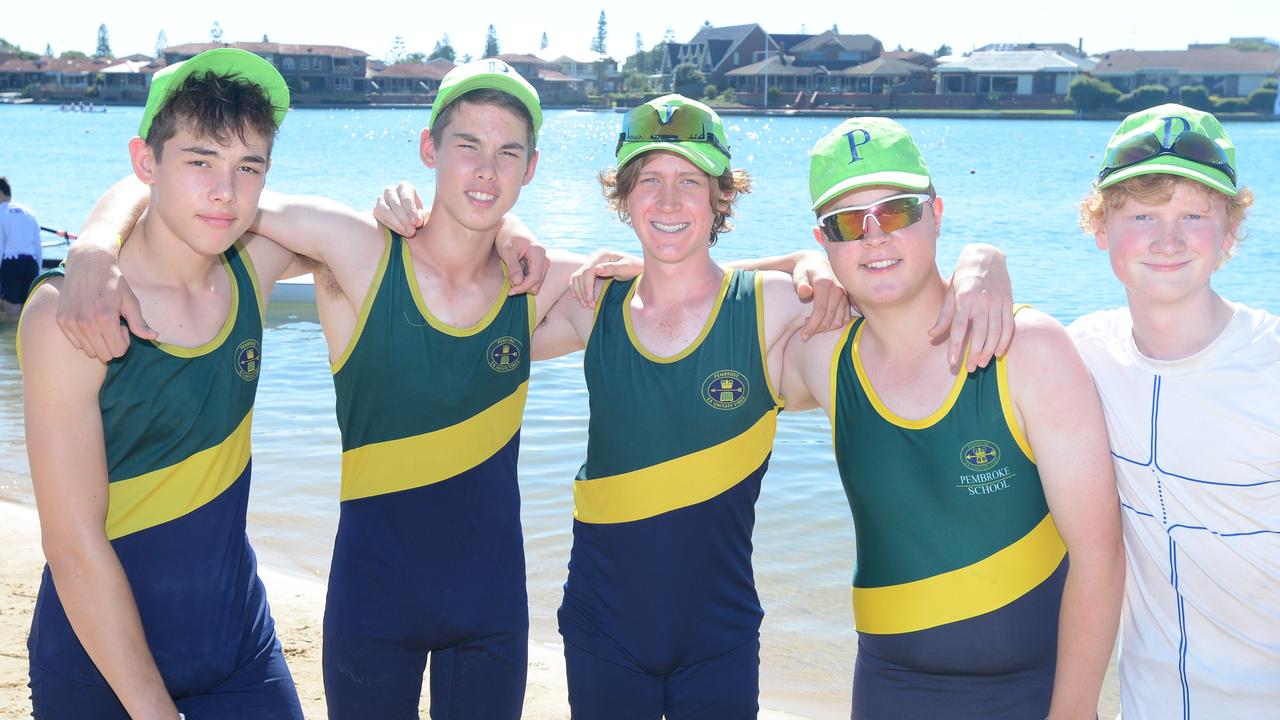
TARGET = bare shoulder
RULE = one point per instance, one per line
(44, 352)
(1038, 338)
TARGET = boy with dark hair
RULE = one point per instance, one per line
(20, 251)
(1190, 383)
(151, 606)
(968, 489)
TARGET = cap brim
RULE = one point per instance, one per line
(225, 61)
(1174, 165)
(892, 178)
(713, 163)
(491, 81)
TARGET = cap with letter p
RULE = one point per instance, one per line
(861, 152)
(232, 62)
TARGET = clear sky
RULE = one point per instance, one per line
(920, 24)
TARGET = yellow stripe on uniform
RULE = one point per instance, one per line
(989, 584)
(676, 483)
(407, 463)
(169, 493)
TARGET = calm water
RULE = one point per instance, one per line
(1011, 183)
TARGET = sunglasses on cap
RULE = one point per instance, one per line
(1189, 145)
(848, 224)
(670, 123)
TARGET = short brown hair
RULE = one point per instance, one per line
(617, 184)
(1154, 188)
(213, 105)
(487, 96)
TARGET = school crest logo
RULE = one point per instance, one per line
(248, 360)
(980, 455)
(725, 390)
(504, 354)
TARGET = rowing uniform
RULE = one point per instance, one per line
(176, 425)
(429, 556)
(660, 612)
(960, 568)
(1196, 446)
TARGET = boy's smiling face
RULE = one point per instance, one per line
(1167, 252)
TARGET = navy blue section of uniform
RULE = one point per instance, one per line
(412, 574)
(724, 687)
(997, 666)
(205, 613)
(680, 585)
(261, 690)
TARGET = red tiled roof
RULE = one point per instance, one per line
(434, 70)
(269, 48)
(512, 58)
(1214, 61)
(70, 67)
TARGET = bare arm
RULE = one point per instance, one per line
(979, 307)
(94, 294)
(60, 386)
(565, 329)
(1062, 416)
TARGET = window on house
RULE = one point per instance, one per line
(287, 63)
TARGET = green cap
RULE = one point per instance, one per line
(491, 74)
(1167, 123)
(232, 62)
(861, 152)
(676, 123)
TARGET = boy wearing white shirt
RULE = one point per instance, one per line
(1190, 383)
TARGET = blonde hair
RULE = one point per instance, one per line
(617, 184)
(1157, 188)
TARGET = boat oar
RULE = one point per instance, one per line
(60, 233)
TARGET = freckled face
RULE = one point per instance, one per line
(1167, 252)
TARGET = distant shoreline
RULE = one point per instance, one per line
(746, 111)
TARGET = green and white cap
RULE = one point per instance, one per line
(680, 125)
(1171, 139)
(487, 74)
(861, 152)
(231, 62)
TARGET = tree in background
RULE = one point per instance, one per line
(414, 57)
(10, 48)
(544, 44)
(1143, 97)
(1195, 97)
(599, 43)
(599, 46)
(942, 51)
(1263, 99)
(396, 53)
(1250, 45)
(443, 49)
(215, 32)
(73, 55)
(162, 42)
(639, 56)
(104, 43)
(669, 36)
(48, 51)
(491, 48)
(689, 80)
(1089, 93)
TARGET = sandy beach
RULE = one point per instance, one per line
(296, 602)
